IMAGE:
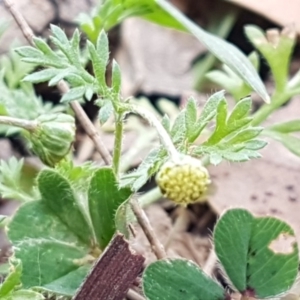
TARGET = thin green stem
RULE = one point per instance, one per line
(278, 99)
(21, 123)
(163, 135)
(118, 143)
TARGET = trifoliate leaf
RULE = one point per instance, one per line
(258, 254)
(46, 246)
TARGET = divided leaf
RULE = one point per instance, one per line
(178, 279)
(233, 138)
(258, 254)
(11, 183)
(146, 169)
(105, 197)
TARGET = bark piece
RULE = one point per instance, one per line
(113, 274)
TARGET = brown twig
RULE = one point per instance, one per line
(143, 220)
(63, 87)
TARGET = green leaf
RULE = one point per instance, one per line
(12, 181)
(190, 117)
(13, 280)
(116, 77)
(105, 197)
(286, 127)
(224, 51)
(41, 76)
(57, 194)
(178, 131)
(277, 52)
(68, 284)
(208, 112)
(149, 166)
(123, 217)
(25, 295)
(259, 255)
(291, 142)
(45, 245)
(179, 279)
(73, 94)
(113, 12)
(105, 112)
(232, 136)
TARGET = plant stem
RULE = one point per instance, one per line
(21, 123)
(143, 220)
(118, 144)
(163, 135)
(63, 87)
(278, 99)
(150, 197)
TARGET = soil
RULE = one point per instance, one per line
(160, 66)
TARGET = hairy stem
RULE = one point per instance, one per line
(118, 143)
(63, 87)
(153, 121)
(21, 123)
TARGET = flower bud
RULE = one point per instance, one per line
(53, 138)
(184, 181)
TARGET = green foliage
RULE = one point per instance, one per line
(230, 81)
(10, 288)
(17, 98)
(233, 138)
(11, 183)
(178, 279)
(276, 48)
(259, 255)
(57, 237)
(104, 199)
(53, 137)
(110, 13)
(224, 51)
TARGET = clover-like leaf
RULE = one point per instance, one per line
(258, 254)
(46, 246)
(59, 196)
(105, 197)
(178, 279)
(233, 138)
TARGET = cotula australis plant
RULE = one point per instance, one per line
(72, 212)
